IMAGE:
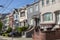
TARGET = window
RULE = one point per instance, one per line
(48, 16)
(22, 24)
(42, 2)
(36, 7)
(31, 10)
(17, 24)
(53, 1)
(58, 18)
(16, 16)
(47, 1)
(22, 14)
(31, 22)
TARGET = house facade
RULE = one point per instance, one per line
(5, 21)
(33, 17)
(33, 14)
(23, 17)
(16, 18)
(50, 20)
(43, 16)
(11, 20)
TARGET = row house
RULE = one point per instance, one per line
(49, 13)
(5, 21)
(11, 20)
(16, 18)
(33, 13)
(23, 17)
(42, 18)
(49, 20)
(33, 17)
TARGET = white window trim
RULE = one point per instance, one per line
(51, 16)
(36, 7)
(30, 9)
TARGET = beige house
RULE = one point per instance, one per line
(23, 16)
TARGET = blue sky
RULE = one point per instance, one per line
(9, 5)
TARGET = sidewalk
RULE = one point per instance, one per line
(10, 38)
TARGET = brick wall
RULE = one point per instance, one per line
(57, 34)
(49, 35)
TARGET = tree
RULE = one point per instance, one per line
(1, 24)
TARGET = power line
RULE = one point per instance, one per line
(4, 4)
(8, 5)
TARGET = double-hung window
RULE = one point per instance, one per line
(47, 1)
(42, 2)
(47, 16)
(30, 9)
(22, 14)
(53, 1)
(58, 18)
(36, 8)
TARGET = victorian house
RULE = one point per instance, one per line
(16, 18)
(23, 17)
(11, 20)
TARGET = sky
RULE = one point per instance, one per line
(9, 5)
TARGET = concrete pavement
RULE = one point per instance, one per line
(10, 38)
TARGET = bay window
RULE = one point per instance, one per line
(47, 16)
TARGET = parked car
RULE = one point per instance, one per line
(14, 34)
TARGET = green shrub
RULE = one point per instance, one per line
(1, 24)
(5, 34)
(9, 30)
(24, 28)
(21, 29)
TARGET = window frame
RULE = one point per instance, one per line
(47, 2)
(58, 16)
(22, 14)
(51, 18)
(53, 1)
(30, 9)
(37, 7)
(42, 2)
